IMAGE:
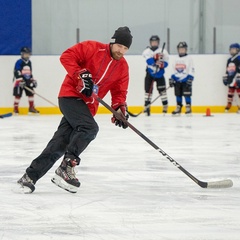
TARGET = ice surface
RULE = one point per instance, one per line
(129, 190)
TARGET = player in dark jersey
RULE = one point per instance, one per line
(232, 76)
(23, 78)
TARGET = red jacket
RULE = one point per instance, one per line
(108, 74)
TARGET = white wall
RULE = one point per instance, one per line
(208, 89)
(54, 23)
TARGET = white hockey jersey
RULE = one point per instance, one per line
(183, 68)
(152, 69)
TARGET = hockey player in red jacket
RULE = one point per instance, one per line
(91, 66)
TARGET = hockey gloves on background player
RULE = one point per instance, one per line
(159, 60)
(121, 109)
(30, 83)
(189, 82)
(20, 83)
(85, 84)
(33, 83)
(238, 80)
(171, 82)
(227, 80)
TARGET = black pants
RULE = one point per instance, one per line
(18, 91)
(183, 89)
(160, 83)
(75, 131)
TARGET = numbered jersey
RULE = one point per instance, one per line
(23, 70)
(183, 68)
(152, 68)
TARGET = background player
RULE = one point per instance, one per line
(232, 76)
(156, 62)
(23, 77)
(182, 77)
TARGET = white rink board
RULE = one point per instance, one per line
(208, 89)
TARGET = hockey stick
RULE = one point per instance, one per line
(33, 92)
(155, 99)
(5, 115)
(216, 184)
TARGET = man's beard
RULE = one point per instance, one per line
(117, 55)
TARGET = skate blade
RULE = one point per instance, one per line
(176, 115)
(64, 185)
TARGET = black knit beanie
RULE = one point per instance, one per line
(122, 36)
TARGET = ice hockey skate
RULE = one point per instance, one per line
(227, 108)
(147, 108)
(188, 110)
(33, 110)
(26, 184)
(15, 111)
(65, 177)
(165, 108)
(238, 111)
(177, 111)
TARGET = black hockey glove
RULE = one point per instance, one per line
(122, 111)
(33, 83)
(171, 82)
(189, 82)
(238, 80)
(225, 80)
(85, 84)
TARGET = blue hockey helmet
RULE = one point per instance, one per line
(234, 45)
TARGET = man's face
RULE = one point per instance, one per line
(118, 50)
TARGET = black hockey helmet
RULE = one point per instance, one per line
(154, 38)
(182, 45)
(25, 50)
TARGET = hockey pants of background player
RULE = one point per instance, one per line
(161, 87)
(183, 90)
(75, 131)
